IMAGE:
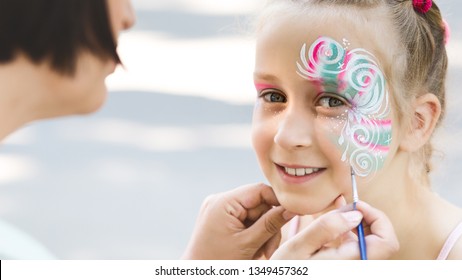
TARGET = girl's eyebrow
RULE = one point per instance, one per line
(261, 86)
(265, 76)
(269, 80)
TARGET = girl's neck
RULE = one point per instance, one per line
(414, 210)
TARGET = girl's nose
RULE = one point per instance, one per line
(294, 131)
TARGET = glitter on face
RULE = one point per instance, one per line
(366, 132)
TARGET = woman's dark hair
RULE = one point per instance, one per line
(55, 30)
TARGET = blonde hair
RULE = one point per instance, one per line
(418, 64)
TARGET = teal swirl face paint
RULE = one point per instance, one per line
(365, 136)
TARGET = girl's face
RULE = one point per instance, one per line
(323, 109)
(85, 91)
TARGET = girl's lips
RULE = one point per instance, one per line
(298, 174)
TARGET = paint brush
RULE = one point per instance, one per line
(361, 238)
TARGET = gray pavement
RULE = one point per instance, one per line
(127, 182)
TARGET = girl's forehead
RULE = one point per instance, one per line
(293, 33)
(288, 32)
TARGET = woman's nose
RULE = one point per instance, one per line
(129, 17)
(294, 131)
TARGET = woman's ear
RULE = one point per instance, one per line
(425, 115)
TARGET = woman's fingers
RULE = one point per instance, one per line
(382, 242)
(237, 224)
(269, 224)
(320, 232)
(316, 240)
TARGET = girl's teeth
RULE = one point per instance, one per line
(300, 171)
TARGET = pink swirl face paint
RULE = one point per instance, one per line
(365, 136)
(259, 87)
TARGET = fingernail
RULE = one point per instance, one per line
(353, 217)
(287, 215)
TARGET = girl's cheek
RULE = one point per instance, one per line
(352, 142)
(267, 111)
(329, 130)
(264, 127)
(363, 145)
(266, 118)
(369, 146)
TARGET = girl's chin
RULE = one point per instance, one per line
(306, 208)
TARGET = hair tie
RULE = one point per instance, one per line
(422, 6)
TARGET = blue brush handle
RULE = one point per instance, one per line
(362, 242)
(361, 238)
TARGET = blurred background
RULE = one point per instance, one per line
(128, 181)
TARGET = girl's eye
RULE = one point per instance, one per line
(274, 97)
(330, 102)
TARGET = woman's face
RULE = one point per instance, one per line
(121, 15)
(323, 108)
(85, 91)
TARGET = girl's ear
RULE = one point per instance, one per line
(426, 112)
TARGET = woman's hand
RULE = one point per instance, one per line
(239, 224)
(314, 241)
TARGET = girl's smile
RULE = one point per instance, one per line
(298, 174)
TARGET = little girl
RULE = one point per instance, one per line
(355, 86)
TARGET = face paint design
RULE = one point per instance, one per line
(353, 74)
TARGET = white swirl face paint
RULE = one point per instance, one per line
(365, 136)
